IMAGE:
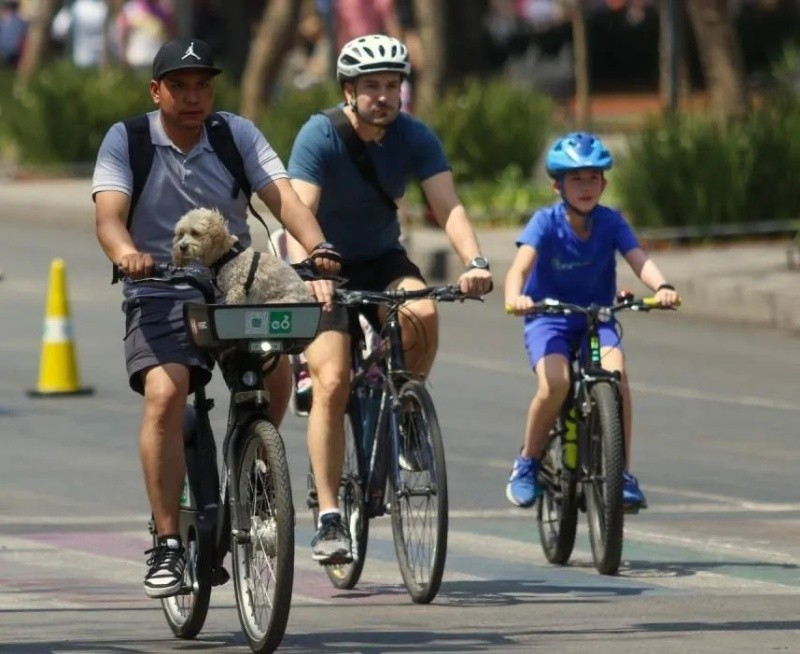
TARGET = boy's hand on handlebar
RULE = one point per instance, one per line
(135, 265)
(475, 282)
(667, 297)
(519, 306)
(323, 290)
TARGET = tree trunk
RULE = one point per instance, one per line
(580, 49)
(36, 44)
(720, 56)
(430, 80)
(275, 35)
(673, 80)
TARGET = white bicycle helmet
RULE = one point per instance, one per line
(376, 53)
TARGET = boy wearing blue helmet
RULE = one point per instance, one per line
(567, 252)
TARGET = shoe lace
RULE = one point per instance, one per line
(330, 530)
(162, 556)
(524, 468)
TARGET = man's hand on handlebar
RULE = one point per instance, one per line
(323, 290)
(667, 296)
(475, 282)
(135, 265)
(327, 260)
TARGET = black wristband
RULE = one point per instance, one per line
(665, 285)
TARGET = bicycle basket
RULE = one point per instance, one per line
(286, 327)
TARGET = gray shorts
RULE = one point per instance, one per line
(155, 335)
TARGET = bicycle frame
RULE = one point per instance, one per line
(393, 373)
(247, 402)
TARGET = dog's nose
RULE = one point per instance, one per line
(183, 246)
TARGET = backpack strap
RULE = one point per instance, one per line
(140, 155)
(358, 153)
(221, 139)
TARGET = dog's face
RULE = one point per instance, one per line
(201, 235)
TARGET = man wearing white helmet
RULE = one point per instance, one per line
(355, 207)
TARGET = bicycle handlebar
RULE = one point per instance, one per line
(450, 293)
(556, 307)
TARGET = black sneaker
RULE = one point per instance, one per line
(331, 544)
(167, 563)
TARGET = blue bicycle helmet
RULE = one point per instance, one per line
(576, 151)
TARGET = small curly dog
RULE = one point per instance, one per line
(244, 275)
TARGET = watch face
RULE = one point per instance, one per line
(479, 262)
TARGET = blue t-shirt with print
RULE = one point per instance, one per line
(572, 269)
(351, 212)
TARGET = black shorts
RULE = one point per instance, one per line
(155, 335)
(374, 275)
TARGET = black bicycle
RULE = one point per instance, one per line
(583, 463)
(250, 513)
(392, 439)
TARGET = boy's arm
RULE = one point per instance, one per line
(516, 302)
(646, 270)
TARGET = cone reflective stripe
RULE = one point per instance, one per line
(58, 369)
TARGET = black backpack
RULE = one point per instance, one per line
(141, 151)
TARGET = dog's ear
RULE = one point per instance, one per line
(215, 238)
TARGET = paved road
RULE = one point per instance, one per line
(711, 567)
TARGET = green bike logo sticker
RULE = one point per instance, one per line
(280, 322)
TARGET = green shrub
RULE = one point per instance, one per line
(486, 126)
(63, 113)
(692, 171)
(287, 113)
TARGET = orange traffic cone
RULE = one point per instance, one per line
(58, 372)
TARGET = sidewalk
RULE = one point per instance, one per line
(748, 284)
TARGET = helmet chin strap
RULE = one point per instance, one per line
(586, 215)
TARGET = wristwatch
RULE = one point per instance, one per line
(479, 262)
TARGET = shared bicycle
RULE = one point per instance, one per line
(584, 459)
(250, 513)
(394, 459)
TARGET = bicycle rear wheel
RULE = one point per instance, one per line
(186, 612)
(604, 484)
(262, 542)
(419, 501)
(557, 506)
(351, 503)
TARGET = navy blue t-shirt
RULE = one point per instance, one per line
(572, 269)
(351, 212)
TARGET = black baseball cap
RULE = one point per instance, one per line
(183, 54)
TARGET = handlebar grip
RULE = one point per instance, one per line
(652, 302)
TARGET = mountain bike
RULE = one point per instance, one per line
(583, 461)
(394, 456)
(250, 513)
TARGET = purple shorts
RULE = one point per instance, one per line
(560, 334)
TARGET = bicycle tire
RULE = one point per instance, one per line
(262, 543)
(604, 484)
(419, 502)
(186, 612)
(557, 506)
(345, 576)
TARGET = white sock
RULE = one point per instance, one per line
(328, 512)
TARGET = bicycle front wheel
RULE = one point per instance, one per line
(557, 506)
(604, 483)
(419, 495)
(186, 612)
(262, 544)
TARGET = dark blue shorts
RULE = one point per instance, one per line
(560, 334)
(155, 335)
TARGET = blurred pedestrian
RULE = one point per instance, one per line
(13, 30)
(143, 26)
(81, 26)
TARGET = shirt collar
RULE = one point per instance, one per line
(159, 137)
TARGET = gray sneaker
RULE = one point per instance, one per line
(331, 544)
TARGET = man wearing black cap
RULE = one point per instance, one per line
(135, 223)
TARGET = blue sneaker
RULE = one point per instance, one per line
(632, 495)
(523, 487)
